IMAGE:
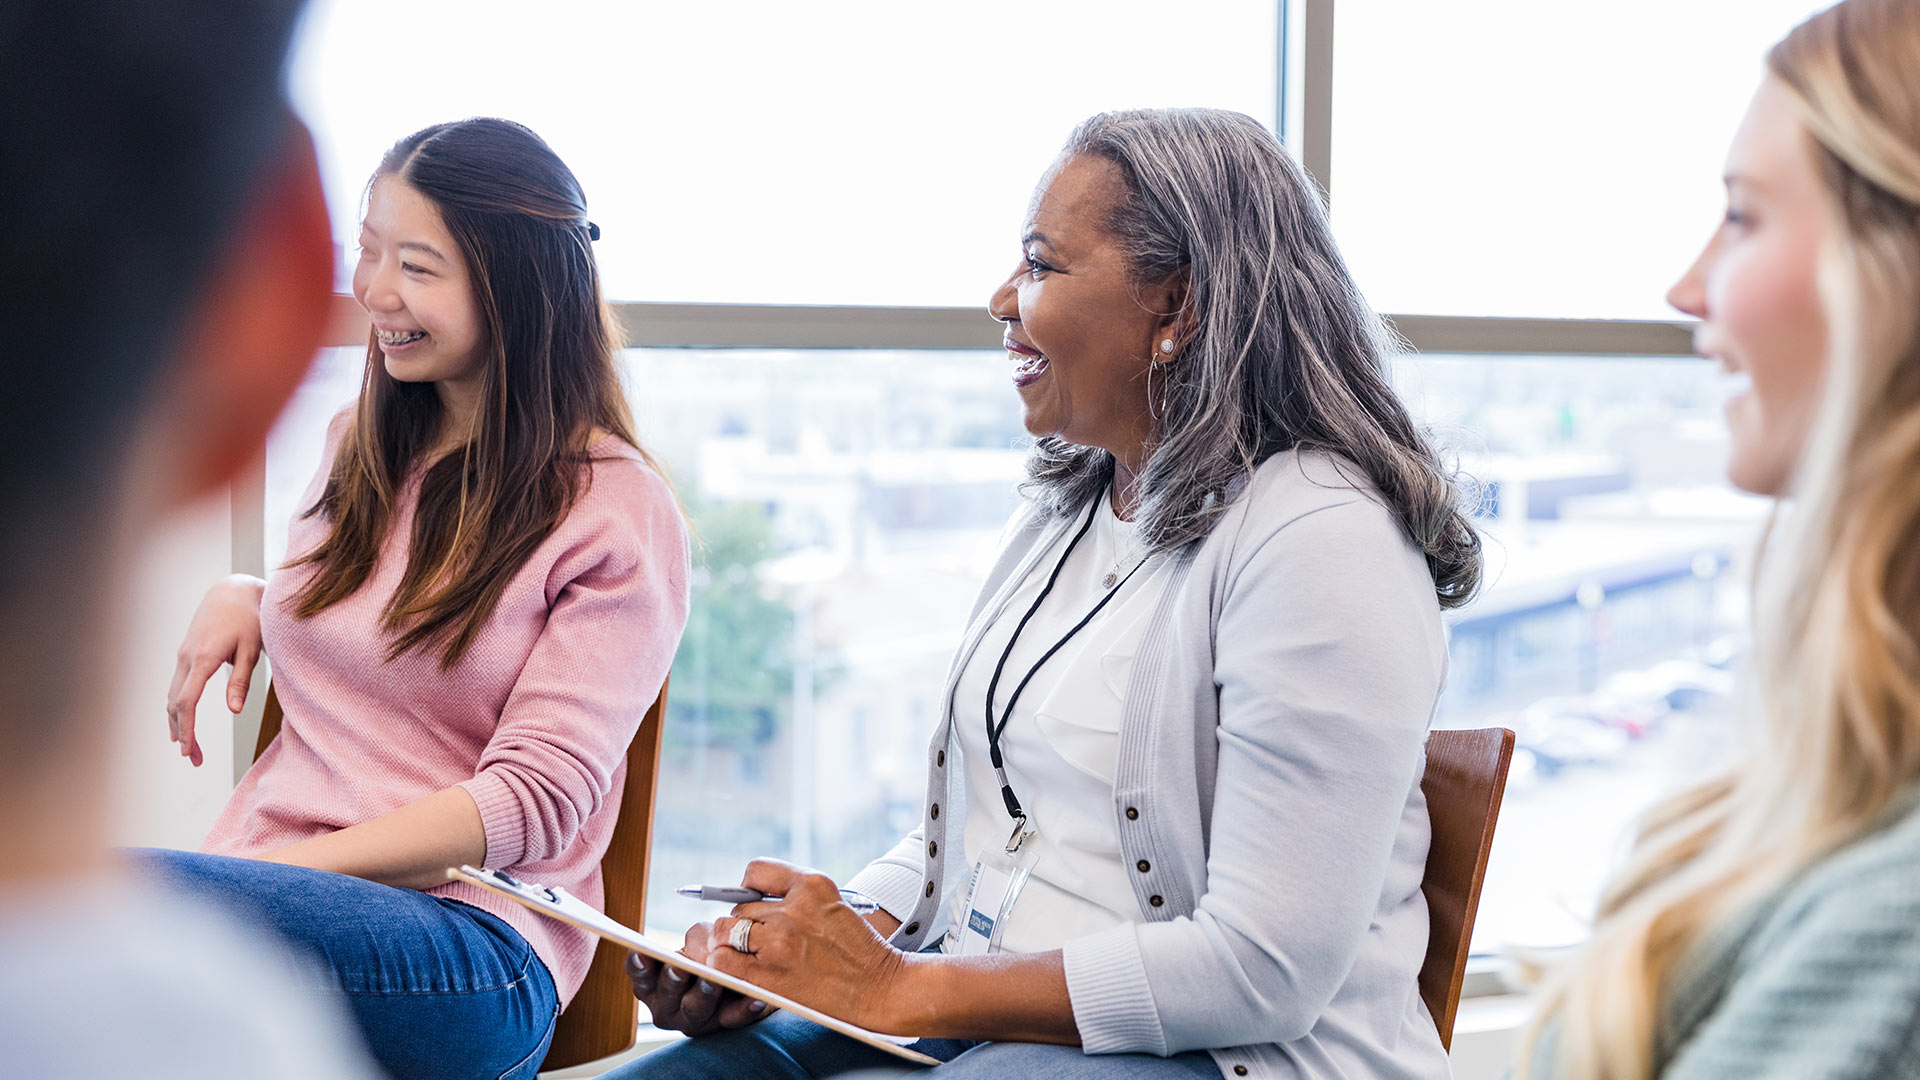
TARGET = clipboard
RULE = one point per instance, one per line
(559, 904)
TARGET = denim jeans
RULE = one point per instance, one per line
(785, 1047)
(441, 989)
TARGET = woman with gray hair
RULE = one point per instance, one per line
(1173, 815)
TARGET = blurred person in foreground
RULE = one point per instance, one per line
(1768, 923)
(164, 271)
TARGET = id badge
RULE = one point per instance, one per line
(995, 885)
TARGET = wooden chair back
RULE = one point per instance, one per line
(603, 1018)
(1465, 778)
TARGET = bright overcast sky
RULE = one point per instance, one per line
(1514, 157)
(829, 152)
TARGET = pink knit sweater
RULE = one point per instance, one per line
(534, 722)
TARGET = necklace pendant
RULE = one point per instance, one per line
(1108, 581)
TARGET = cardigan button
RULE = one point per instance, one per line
(1239, 1070)
(1156, 901)
(1143, 866)
(940, 759)
(929, 889)
(913, 928)
(934, 811)
(933, 848)
(1132, 814)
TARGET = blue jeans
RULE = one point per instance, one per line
(785, 1047)
(441, 989)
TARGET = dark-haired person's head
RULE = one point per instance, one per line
(490, 336)
(515, 294)
(164, 269)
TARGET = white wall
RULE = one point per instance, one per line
(163, 801)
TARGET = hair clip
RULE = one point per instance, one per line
(593, 231)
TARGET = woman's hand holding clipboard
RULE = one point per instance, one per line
(694, 1007)
(558, 904)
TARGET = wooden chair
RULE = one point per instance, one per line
(604, 1016)
(1465, 778)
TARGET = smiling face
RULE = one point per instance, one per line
(1079, 332)
(1753, 290)
(417, 289)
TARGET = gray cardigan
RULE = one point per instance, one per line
(1267, 785)
(1821, 981)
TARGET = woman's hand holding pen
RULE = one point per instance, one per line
(811, 946)
(680, 1002)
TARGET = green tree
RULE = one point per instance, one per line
(733, 675)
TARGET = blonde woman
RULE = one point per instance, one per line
(1768, 924)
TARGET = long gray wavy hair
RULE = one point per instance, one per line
(1278, 350)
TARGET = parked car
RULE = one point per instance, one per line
(1680, 684)
(1559, 737)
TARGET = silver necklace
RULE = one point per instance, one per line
(1113, 573)
(1114, 576)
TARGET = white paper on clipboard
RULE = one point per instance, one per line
(558, 904)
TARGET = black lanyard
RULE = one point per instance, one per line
(993, 730)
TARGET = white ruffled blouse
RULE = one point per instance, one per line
(1061, 744)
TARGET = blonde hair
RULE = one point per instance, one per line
(1837, 601)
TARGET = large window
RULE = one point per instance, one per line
(848, 505)
(1491, 159)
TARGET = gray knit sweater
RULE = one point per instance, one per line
(1266, 789)
(1819, 982)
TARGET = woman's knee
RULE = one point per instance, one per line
(309, 908)
(423, 976)
(177, 866)
(375, 938)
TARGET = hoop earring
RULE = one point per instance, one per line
(1160, 413)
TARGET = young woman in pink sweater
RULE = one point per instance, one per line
(484, 593)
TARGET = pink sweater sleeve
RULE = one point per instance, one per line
(618, 605)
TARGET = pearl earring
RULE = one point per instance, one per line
(1166, 346)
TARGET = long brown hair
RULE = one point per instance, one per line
(1836, 654)
(518, 217)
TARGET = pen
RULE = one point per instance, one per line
(740, 894)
